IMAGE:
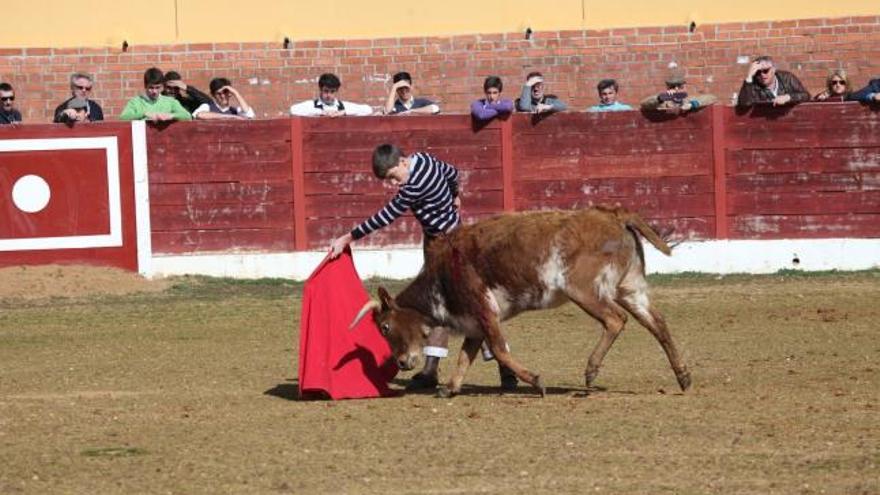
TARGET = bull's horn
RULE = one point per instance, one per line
(369, 306)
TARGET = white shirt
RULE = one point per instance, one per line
(316, 108)
(205, 108)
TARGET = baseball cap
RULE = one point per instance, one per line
(78, 103)
(675, 80)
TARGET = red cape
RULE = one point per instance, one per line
(333, 360)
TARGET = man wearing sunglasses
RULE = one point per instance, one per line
(8, 112)
(764, 84)
(80, 87)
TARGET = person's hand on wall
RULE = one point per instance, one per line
(159, 117)
(781, 100)
(543, 107)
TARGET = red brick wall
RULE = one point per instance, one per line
(451, 69)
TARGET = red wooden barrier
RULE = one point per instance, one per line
(662, 167)
(294, 184)
(810, 171)
(82, 209)
(220, 186)
(804, 172)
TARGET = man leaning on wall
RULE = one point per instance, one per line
(328, 103)
(676, 99)
(81, 86)
(8, 113)
(765, 84)
(189, 97)
(152, 105)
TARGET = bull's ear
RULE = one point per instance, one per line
(386, 299)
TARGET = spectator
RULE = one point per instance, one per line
(765, 84)
(80, 87)
(492, 105)
(327, 103)
(868, 94)
(189, 97)
(608, 90)
(401, 100)
(533, 99)
(836, 87)
(227, 103)
(77, 111)
(676, 99)
(152, 105)
(8, 113)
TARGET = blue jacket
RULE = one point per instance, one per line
(865, 95)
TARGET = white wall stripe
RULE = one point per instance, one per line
(141, 196)
(721, 257)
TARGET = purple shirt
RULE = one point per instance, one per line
(483, 110)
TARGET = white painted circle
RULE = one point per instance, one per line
(31, 193)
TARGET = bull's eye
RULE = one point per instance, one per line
(385, 329)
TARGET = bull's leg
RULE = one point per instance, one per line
(469, 349)
(650, 318)
(612, 318)
(499, 348)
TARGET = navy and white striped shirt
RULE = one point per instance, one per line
(429, 192)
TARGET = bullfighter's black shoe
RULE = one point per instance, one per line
(422, 381)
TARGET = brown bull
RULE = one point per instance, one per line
(485, 273)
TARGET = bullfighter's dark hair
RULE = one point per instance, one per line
(385, 157)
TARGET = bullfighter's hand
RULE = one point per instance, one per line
(457, 202)
(338, 245)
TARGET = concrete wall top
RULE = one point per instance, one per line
(94, 23)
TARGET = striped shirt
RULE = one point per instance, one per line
(429, 192)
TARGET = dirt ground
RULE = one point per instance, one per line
(36, 282)
(189, 387)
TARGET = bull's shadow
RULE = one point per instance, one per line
(521, 391)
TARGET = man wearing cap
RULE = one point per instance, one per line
(77, 111)
(676, 99)
(80, 87)
(8, 113)
(765, 84)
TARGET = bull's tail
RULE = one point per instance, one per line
(635, 222)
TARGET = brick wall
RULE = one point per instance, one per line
(451, 69)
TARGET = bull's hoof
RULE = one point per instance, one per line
(684, 379)
(445, 392)
(539, 384)
(590, 377)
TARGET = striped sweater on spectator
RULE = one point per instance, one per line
(429, 192)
